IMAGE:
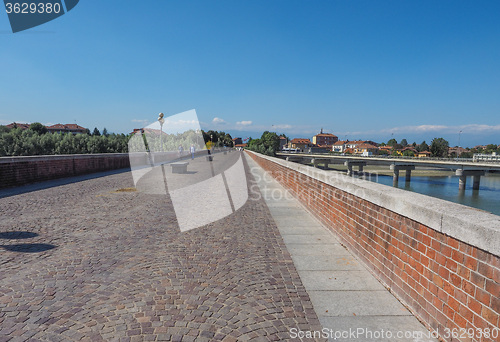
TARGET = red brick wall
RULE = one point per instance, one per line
(445, 282)
(17, 171)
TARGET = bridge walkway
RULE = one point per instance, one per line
(346, 297)
(91, 259)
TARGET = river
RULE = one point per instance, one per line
(446, 187)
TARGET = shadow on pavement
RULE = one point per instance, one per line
(56, 182)
(29, 247)
(17, 235)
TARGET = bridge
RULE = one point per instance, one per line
(462, 167)
(94, 258)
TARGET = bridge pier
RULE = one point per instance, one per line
(476, 178)
(351, 163)
(293, 158)
(324, 161)
(396, 168)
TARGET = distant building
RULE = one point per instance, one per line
(152, 131)
(410, 149)
(423, 154)
(299, 143)
(283, 142)
(371, 142)
(365, 149)
(137, 130)
(486, 157)
(324, 139)
(22, 126)
(67, 128)
(58, 128)
(340, 146)
(353, 144)
(456, 150)
(237, 141)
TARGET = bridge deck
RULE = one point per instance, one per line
(422, 162)
(95, 260)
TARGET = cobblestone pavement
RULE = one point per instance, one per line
(83, 262)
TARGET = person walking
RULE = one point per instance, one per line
(192, 151)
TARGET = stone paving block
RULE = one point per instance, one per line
(339, 281)
(319, 250)
(357, 303)
(309, 230)
(110, 265)
(308, 239)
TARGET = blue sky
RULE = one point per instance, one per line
(359, 69)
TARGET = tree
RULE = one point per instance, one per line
(96, 132)
(271, 140)
(4, 129)
(404, 142)
(439, 147)
(392, 142)
(38, 128)
(423, 147)
(228, 140)
(268, 143)
(491, 148)
(105, 132)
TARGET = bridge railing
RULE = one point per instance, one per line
(468, 160)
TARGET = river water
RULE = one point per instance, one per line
(486, 198)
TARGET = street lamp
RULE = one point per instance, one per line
(458, 149)
(161, 120)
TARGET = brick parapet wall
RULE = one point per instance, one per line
(443, 267)
(15, 171)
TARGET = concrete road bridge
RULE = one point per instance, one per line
(462, 167)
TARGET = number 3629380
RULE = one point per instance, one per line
(32, 8)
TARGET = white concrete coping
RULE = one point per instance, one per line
(470, 225)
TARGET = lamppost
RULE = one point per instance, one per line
(458, 149)
(161, 120)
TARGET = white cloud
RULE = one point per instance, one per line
(283, 126)
(142, 121)
(470, 128)
(217, 120)
(244, 123)
(182, 122)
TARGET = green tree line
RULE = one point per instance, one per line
(38, 141)
(268, 143)
(218, 139)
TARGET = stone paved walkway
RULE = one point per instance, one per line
(84, 262)
(352, 305)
